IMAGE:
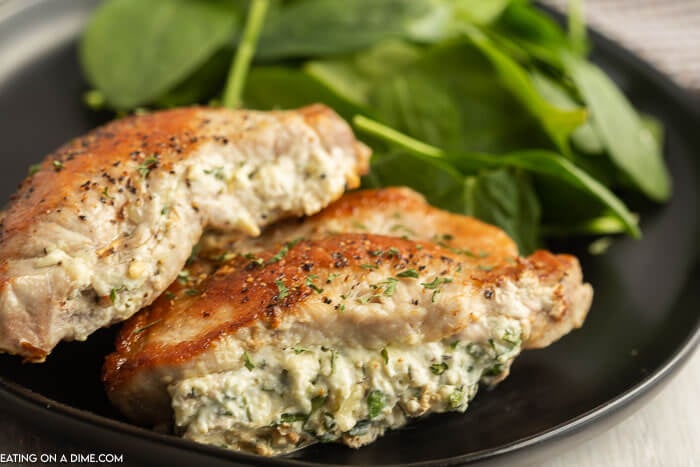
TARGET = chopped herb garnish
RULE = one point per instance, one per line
(293, 417)
(461, 251)
(435, 285)
(389, 286)
(442, 237)
(495, 370)
(105, 193)
(453, 345)
(341, 307)
(226, 257)
(334, 354)
(456, 399)
(153, 323)
(475, 350)
(438, 368)
(282, 290)
(408, 273)
(113, 293)
(165, 210)
(375, 403)
(310, 283)
(511, 337)
(318, 402)
(393, 251)
(254, 259)
(169, 295)
(247, 361)
(194, 253)
(192, 292)
(385, 356)
(332, 276)
(283, 251)
(376, 252)
(360, 428)
(34, 169)
(297, 350)
(183, 276)
(397, 227)
(366, 299)
(485, 268)
(369, 266)
(217, 172)
(437, 282)
(148, 163)
(359, 225)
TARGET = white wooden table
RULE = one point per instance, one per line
(664, 433)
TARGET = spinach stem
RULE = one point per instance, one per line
(390, 135)
(603, 225)
(536, 161)
(577, 26)
(244, 54)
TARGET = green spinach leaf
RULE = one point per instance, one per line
(507, 199)
(536, 161)
(203, 84)
(501, 197)
(584, 138)
(134, 51)
(273, 87)
(529, 34)
(479, 11)
(311, 28)
(442, 185)
(354, 76)
(423, 107)
(447, 95)
(552, 165)
(631, 145)
(559, 124)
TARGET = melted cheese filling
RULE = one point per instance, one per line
(284, 399)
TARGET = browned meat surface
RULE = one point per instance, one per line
(106, 224)
(345, 292)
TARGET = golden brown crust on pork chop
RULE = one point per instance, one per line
(313, 288)
(108, 220)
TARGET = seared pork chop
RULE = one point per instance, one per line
(108, 221)
(335, 339)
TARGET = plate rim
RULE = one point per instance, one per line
(687, 102)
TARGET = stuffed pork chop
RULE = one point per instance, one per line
(107, 222)
(336, 338)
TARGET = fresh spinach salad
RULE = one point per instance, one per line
(488, 108)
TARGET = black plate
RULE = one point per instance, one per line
(643, 325)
